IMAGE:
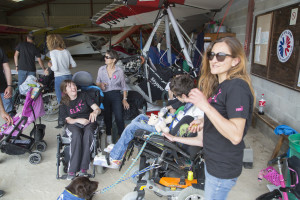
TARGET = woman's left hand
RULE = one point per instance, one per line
(93, 116)
(125, 104)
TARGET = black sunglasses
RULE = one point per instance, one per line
(220, 56)
(107, 57)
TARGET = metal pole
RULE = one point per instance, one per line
(148, 43)
(190, 40)
(168, 40)
(145, 54)
(181, 42)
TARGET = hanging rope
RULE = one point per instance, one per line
(227, 10)
(122, 178)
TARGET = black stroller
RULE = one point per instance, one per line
(14, 142)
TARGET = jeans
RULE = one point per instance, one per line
(22, 75)
(113, 103)
(57, 82)
(217, 188)
(7, 103)
(120, 147)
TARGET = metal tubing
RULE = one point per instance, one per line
(168, 40)
(181, 42)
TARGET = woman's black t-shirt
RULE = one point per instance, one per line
(78, 108)
(232, 99)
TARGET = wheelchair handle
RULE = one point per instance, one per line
(274, 160)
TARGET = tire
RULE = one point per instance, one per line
(131, 196)
(191, 193)
(136, 169)
(63, 169)
(41, 146)
(35, 158)
(51, 107)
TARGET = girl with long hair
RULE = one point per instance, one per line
(61, 61)
(80, 113)
(226, 96)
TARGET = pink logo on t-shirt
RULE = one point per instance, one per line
(115, 76)
(239, 109)
(215, 97)
(77, 108)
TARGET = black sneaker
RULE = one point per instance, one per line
(83, 172)
(2, 193)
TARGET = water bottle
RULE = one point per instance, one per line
(262, 103)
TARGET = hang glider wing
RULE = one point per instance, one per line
(123, 35)
(7, 29)
(137, 12)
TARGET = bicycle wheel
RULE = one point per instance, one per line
(51, 107)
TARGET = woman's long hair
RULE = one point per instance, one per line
(208, 82)
(55, 41)
(65, 99)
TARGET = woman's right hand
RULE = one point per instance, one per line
(197, 98)
(83, 121)
(196, 125)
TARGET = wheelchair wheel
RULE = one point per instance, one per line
(51, 107)
(191, 193)
(35, 158)
(41, 146)
(131, 196)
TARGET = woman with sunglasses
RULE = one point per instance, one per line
(111, 80)
(226, 97)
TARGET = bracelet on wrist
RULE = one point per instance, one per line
(124, 98)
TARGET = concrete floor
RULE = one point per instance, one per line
(24, 181)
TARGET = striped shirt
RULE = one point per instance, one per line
(116, 82)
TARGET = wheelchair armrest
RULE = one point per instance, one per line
(141, 134)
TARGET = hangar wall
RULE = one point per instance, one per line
(3, 17)
(282, 104)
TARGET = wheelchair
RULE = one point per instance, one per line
(99, 137)
(173, 177)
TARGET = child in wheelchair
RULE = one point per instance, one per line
(80, 112)
(181, 87)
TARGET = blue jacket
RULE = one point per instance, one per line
(66, 195)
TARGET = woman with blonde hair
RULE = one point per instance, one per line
(226, 96)
(61, 61)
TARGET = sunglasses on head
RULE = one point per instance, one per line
(220, 56)
(107, 57)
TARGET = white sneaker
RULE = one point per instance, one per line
(109, 148)
(101, 160)
(109, 139)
